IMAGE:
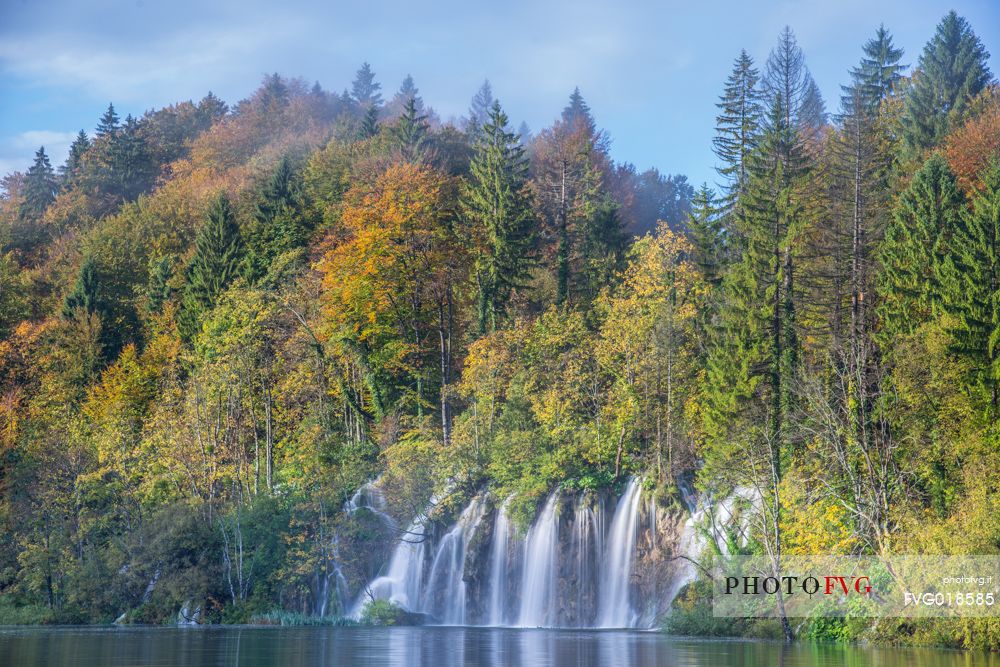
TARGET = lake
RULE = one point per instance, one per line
(431, 647)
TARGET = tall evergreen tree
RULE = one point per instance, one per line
(217, 261)
(919, 237)
(108, 124)
(369, 124)
(40, 186)
(410, 132)
(577, 111)
(952, 70)
(86, 291)
(786, 78)
(74, 160)
(737, 124)
(158, 290)
(880, 70)
(130, 161)
(365, 90)
(479, 109)
(707, 234)
(969, 277)
(496, 206)
(278, 224)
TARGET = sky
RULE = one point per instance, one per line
(651, 71)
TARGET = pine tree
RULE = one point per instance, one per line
(969, 279)
(86, 291)
(917, 240)
(410, 132)
(40, 186)
(952, 70)
(737, 124)
(365, 91)
(479, 110)
(74, 161)
(217, 262)
(369, 124)
(496, 207)
(108, 125)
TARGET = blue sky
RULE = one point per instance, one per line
(651, 71)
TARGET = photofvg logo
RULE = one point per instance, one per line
(907, 586)
(830, 585)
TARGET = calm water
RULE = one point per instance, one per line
(429, 647)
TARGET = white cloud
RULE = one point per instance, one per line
(18, 152)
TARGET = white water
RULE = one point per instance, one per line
(538, 587)
(496, 612)
(444, 596)
(615, 608)
(576, 565)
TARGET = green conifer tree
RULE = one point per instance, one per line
(497, 209)
(40, 186)
(919, 237)
(952, 70)
(217, 262)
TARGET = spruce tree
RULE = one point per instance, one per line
(369, 124)
(40, 186)
(952, 70)
(786, 77)
(919, 237)
(498, 212)
(410, 132)
(707, 234)
(278, 225)
(74, 161)
(969, 279)
(479, 109)
(880, 70)
(158, 290)
(577, 111)
(108, 125)
(365, 90)
(217, 262)
(131, 164)
(86, 291)
(737, 124)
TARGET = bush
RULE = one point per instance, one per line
(382, 612)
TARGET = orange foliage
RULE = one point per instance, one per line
(970, 149)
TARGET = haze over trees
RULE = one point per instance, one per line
(216, 322)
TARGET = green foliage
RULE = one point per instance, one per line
(40, 186)
(951, 72)
(216, 264)
(382, 612)
(496, 207)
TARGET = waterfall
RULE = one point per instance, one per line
(615, 610)
(587, 560)
(499, 566)
(538, 586)
(444, 596)
(402, 581)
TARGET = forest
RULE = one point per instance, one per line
(217, 321)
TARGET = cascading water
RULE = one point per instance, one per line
(499, 567)
(587, 560)
(444, 596)
(538, 586)
(615, 609)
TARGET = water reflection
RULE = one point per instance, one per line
(431, 647)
